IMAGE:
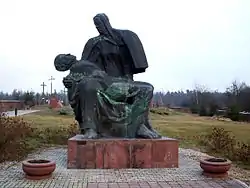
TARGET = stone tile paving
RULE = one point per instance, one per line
(187, 175)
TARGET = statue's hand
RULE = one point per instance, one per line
(129, 77)
(68, 83)
(99, 74)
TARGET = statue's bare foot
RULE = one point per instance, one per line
(88, 134)
(150, 127)
(159, 136)
(144, 132)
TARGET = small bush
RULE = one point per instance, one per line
(18, 138)
(222, 142)
(66, 111)
(153, 111)
(242, 152)
(194, 109)
(213, 110)
(58, 135)
(233, 113)
(202, 111)
(13, 133)
(159, 111)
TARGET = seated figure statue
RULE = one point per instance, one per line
(105, 106)
(101, 90)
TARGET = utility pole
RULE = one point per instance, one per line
(43, 85)
(51, 80)
(196, 97)
(65, 96)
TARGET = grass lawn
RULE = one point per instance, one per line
(176, 125)
(48, 118)
(186, 126)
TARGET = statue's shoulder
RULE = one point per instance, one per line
(127, 32)
(91, 43)
(128, 35)
(96, 39)
(93, 40)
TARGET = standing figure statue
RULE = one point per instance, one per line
(107, 102)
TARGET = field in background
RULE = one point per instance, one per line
(186, 126)
(177, 125)
(47, 118)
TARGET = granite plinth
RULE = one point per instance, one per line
(122, 153)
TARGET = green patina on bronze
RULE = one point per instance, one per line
(124, 114)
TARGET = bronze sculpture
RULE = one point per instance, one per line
(107, 102)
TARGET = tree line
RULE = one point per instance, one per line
(234, 102)
(31, 98)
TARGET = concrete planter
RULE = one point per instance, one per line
(215, 167)
(38, 169)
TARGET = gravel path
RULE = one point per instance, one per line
(187, 175)
(19, 112)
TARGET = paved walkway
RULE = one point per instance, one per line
(19, 112)
(188, 175)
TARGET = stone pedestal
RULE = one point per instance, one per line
(122, 153)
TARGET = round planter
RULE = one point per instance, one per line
(215, 167)
(38, 169)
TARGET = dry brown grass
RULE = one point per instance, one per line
(177, 125)
(186, 126)
(21, 135)
(48, 118)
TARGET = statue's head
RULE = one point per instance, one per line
(102, 24)
(63, 62)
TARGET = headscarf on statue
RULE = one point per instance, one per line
(101, 22)
(119, 37)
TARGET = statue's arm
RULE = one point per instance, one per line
(128, 71)
(90, 49)
(93, 53)
(127, 64)
(85, 50)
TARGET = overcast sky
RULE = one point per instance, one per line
(187, 42)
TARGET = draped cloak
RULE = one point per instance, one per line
(132, 42)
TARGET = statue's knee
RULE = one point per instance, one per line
(148, 90)
(145, 86)
(148, 87)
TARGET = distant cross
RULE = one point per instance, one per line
(43, 85)
(51, 80)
